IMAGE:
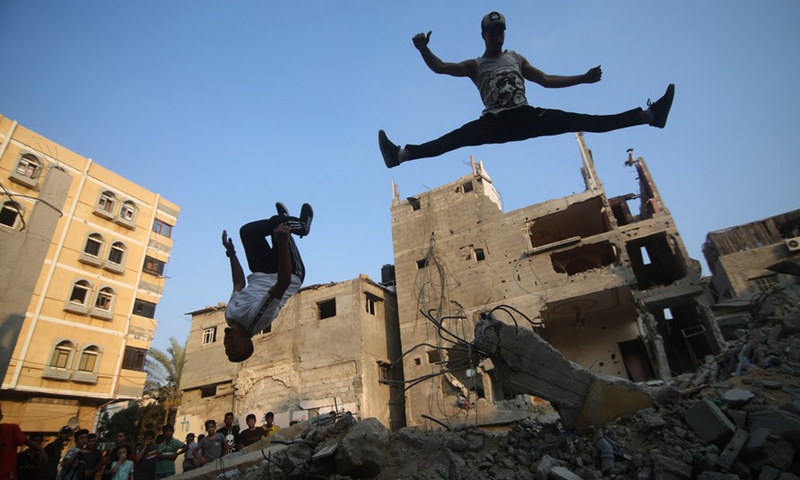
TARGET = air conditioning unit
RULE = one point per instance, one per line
(793, 244)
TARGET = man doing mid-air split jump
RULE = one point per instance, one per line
(500, 77)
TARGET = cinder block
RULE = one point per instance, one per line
(709, 423)
(728, 456)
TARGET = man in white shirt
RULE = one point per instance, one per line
(277, 274)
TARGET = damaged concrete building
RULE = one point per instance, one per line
(614, 291)
(753, 257)
(753, 264)
(330, 348)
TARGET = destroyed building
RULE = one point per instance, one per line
(329, 349)
(752, 264)
(753, 257)
(614, 291)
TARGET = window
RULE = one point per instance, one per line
(88, 360)
(93, 245)
(104, 304)
(127, 214)
(383, 372)
(88, 364)
(116, 257)
(480, 255)
(422, 263)
(27, 171)
(61, 355)
(11, 214)
(209, 335)
(105, 205)
(134, 359)
(161, 228)
(144, 308)
(468, 187)
(434, 356)
(153, 266)
(373, 304)
(78, 301)
(208, 391)
(93, 250)
(60, 363)
(104, 298)
(327, 309)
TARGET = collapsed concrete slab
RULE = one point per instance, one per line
(526, 364)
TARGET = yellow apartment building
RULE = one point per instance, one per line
(83, 253)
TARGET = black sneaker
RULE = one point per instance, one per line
(306, 216)
(281, 208)
(389, 150)
(660, 108)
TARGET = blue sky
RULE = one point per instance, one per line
(226, 107)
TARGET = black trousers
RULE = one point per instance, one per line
(261, 257)
(522, 123)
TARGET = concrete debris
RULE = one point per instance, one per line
(737, 417)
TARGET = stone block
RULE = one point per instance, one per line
(563, 473)
(362, 450)
(766, 448)
(781, 422)
(709, 423)
(731, 451)
(737, 397)
(666, 467)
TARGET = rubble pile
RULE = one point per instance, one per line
(738, 416)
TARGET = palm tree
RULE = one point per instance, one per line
(164, 371)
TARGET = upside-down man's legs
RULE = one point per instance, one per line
(261, 257)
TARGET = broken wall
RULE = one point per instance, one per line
(739, 256)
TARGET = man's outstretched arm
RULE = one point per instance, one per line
(237, 274)
(467, 68)
(280, 239)
(533, 74)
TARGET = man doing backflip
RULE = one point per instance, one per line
(277, 274)
(500, 77)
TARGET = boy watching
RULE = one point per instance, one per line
(212, 447)
(167, 452)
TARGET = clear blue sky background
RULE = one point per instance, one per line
(226, 106)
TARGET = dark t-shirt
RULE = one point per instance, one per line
(50, 467)
(231, 436)
(92, 459)
(27, 465)
(146, 467)
(250, 437)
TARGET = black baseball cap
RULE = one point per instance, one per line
(491, 19)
